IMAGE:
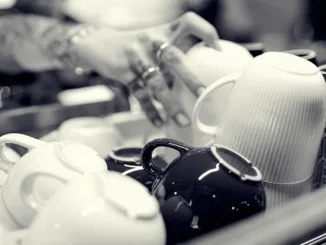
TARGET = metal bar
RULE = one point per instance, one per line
(35, 118)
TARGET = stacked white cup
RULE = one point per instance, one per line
(208, 65)
(275, 116)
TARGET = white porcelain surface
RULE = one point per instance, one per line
(46, 168)
(14, 156)
(99, 209)
(6, 4)
(124, 14)
(208, 65)
(93, 132)
(275, 116)
(133, 126)
(91, 94)
(2, 234)
(3, 177)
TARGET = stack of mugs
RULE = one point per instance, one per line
(252, 146)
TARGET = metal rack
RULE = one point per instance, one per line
(38, 120)
(302, 222)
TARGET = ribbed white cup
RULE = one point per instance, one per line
(275, 116)
(208, 65)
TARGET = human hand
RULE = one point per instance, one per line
(104, 49)
(151, 67)
(151, 84)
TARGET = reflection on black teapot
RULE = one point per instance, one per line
(203, 189)
(127, 162)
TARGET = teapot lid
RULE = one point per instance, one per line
(236, 163)
(127, 196)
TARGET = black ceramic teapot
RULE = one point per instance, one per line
(203, 189)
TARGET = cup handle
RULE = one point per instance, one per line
(322, 70)
(19, 139)
(147, 154)
(208, 129)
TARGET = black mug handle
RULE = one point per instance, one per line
(147, 153)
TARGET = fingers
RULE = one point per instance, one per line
(174, 59)
(145, 40)
(142, 94)
(155, 82)
(148, 44)
(191, 24)
(140, 91)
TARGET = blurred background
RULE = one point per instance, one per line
(280, 25)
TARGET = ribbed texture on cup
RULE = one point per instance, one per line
(276, 119)
(278, 194)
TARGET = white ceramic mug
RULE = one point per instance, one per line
(275, 116)
(94, 132)
(46, 168)
(124, 14)
(208, 65)
(99, 209)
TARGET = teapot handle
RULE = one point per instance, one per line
(147, 154)
(19, 139)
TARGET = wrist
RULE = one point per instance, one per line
(75, 61)
(60, 45)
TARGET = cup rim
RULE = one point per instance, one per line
(114, 155)
(253, 46)
(313, 69)
(83, 121)
(243, 177)
(310, 54)
(91, 125)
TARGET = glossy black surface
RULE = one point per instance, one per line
(197, 195)
(127, 162)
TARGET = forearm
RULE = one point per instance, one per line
(33, 43)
